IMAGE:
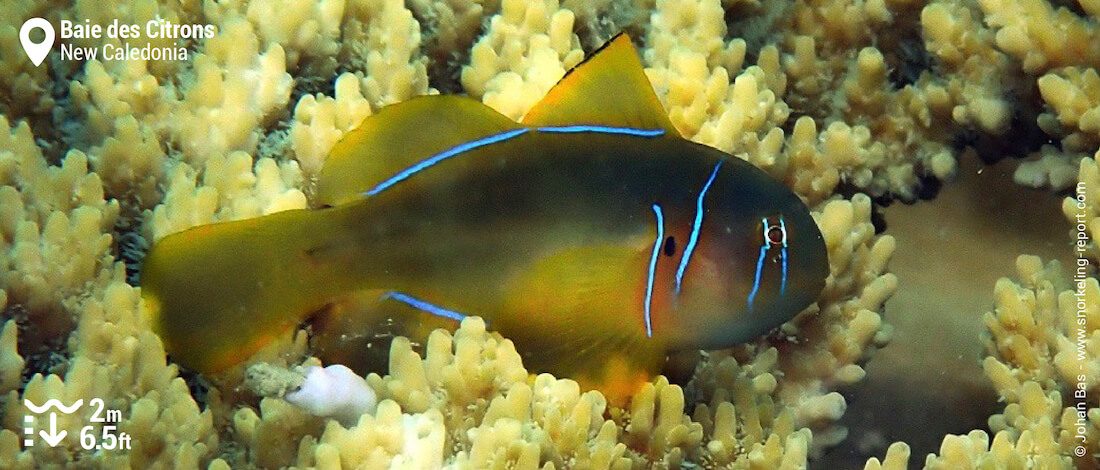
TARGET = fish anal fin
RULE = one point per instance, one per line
(609, 88)
(400, 136)
(577, 314)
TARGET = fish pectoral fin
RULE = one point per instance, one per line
(576, 314)
(609, 88)
(398, 137)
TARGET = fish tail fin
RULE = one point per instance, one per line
(217, 293)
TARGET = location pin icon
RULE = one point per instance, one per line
(37, 52)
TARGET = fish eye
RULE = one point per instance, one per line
(670, 246)
(775, 231)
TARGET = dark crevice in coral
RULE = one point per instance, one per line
(311, 85)
(1023, 136)
(1073, 6)
(445, 70)
(196, 383)
(444, 67)
(44, 350)
(129, 244)
(275, 132)
(901, 43)
(756, 24)
(878, 220)
(1026, 138)
(51, 125)
(928, 187)
(910, 62)
(274, 142)
(618, 16)
(846, 189)
(681, 367)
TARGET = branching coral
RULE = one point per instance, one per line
(1021, 46)
(232, 188)
(1040, 355)
(382, 40)
(1083, 211)
(738, 114)
(470, 392)
(1042, 36)
(526, 50)
(118, 359)
(320, 122)
(873, 137)
(53, 238)
(1043, 347)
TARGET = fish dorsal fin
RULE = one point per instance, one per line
(400, 136)
(609, 88)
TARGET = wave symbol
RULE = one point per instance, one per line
(53, 402)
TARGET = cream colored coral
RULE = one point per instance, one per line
(11, 363)
(1041, 36)
(403, 441)
(1073, 96)
(1034, 359)
(23, 86)
(528, 47)
(300, 27)
(468, 403)
(232, 188)
(742, 422)
(381, 39)
(879, 140)
(954, 33)
(897, 458)
(320, 122)
(1049, 167)
(846, 327)
(117, 359)
(235, 90)
(451, 25)
(381, 43)
(885, 140)
(699, 78)
(1082, 210)
(53, 224)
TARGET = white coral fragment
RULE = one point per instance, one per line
(334, 392)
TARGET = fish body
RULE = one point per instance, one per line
(597, 247)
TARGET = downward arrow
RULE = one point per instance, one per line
(53, 438)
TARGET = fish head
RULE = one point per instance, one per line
(759, 260)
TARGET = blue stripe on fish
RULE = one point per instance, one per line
(695, 228)
(425, 306)
(759, 269)
(466, 146)
(783, 282)
(653, 268)
(501, 137)
(604, 130)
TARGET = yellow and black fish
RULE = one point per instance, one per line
(591, 234)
